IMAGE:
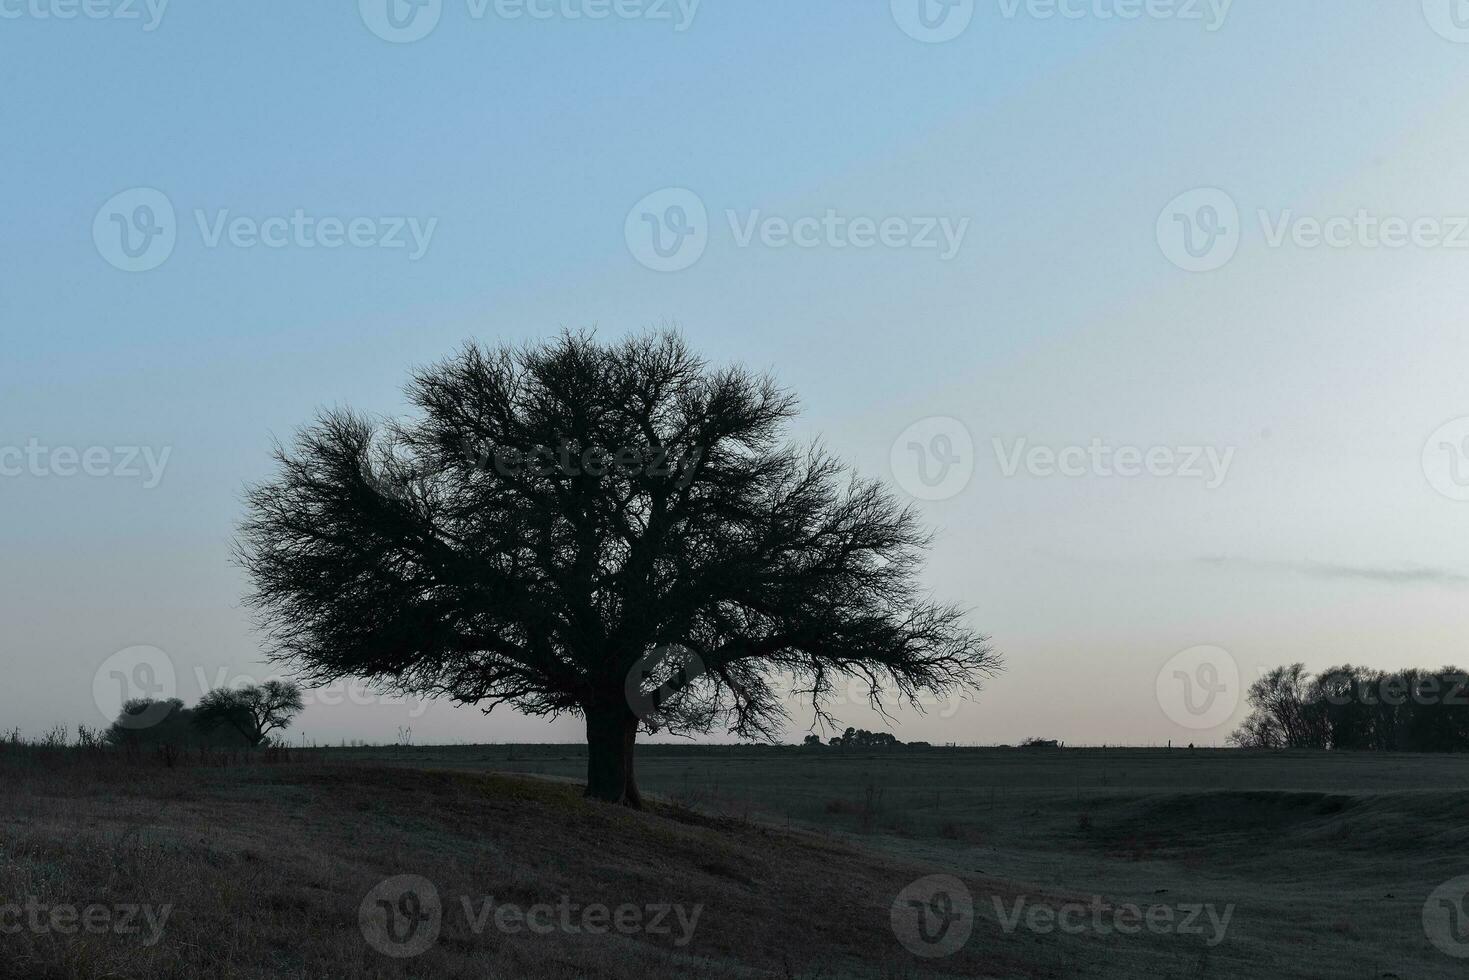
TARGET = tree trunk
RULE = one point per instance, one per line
(611, 735)
(630, 738)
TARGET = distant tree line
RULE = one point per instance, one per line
(238, 717)
(1356, 708)
(861, 738)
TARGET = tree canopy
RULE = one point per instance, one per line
(616, 530)
(254, 711)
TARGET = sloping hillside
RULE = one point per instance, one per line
(266, 870)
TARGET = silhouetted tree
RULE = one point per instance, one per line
(861, 738)
(1350, 719)
(1258, 731)
(617, 531)
(149, 722)
(254, 711)
(1430, 710)
(1286, 712)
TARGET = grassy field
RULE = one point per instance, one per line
(751, 863)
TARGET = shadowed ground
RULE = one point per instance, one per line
(795, 858)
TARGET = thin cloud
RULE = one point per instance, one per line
(1389, 574)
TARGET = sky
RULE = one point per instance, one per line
(1155, 308)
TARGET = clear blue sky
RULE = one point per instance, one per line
(526, 142)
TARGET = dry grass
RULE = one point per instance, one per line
(265, 868)
(266, 865)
